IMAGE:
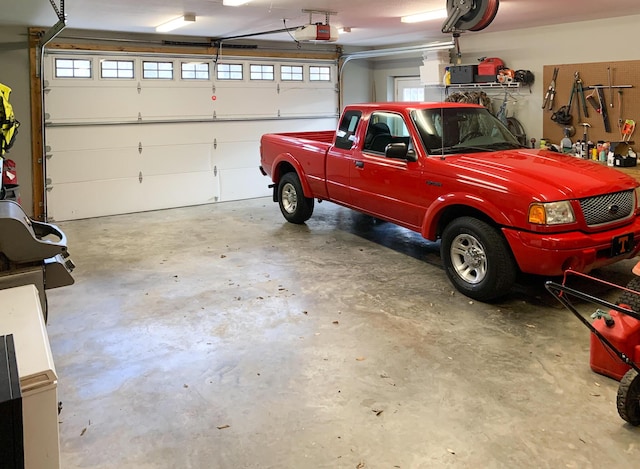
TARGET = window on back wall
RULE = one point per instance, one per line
(262, 72)
(116, 69)
(73, 68)
(319, 74)
(229, 72)
(157, 70)
(291, 72)
(195, 71)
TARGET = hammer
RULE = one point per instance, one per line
(585, 147)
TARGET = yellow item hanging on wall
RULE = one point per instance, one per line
(8, 123)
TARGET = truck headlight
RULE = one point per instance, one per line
(551, 213)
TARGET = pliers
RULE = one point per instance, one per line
(551, 91)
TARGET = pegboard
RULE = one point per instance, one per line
(622, 73)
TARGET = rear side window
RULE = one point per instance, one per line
(345, 136)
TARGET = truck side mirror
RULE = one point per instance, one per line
(400, 151)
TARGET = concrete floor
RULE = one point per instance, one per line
(221, 336)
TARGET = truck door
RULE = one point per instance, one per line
(388, 187)
(340, 157)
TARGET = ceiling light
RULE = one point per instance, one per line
(426, 16)
(234, 3)
(176, 23)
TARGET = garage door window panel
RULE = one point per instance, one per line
(261, 72)
(319, 73)
(291, 73)
(116, 69)
(73, 68)
(195, 71)
(157, 70)
(229, 72)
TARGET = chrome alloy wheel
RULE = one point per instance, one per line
(469, 258)
(289, 198)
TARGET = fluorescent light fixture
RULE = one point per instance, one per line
(234, 3)
(426, 16)
(176, 23)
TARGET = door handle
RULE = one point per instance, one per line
(359, 164)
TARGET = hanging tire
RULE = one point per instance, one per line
(628, 400)
(477, 259)
(295, 207)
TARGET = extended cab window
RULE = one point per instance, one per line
(345, 136)
(385, 128)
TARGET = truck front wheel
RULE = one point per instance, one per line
(477, 259)
(295, 207)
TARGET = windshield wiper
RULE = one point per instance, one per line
(503, 146)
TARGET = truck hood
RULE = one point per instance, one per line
(546, 175)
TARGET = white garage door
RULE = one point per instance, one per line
(127, 134)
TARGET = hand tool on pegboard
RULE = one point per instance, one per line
(551, 91)
(610, 87)
(627, 130)
(597, 100)
(579, 90)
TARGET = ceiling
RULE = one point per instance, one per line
(372, 22)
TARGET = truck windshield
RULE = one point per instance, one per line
(448, 131)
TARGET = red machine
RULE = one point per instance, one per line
(9, 181)
(615, 337)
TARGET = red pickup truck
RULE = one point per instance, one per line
(453, 172)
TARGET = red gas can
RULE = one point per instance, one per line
(624, 335)
(490, 66)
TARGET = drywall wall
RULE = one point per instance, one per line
(531, 49)
(356, 82)
(14, 72)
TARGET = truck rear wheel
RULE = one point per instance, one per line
(295, 207)
(477, 259)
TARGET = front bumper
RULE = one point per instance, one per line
(552, 254)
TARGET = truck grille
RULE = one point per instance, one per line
(607, 208)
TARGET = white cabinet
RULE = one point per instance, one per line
(21, 315)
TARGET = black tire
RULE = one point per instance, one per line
(628, 400)
(631, 299)
(295, 207)
(477, 259)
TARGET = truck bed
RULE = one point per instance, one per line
(324, 136)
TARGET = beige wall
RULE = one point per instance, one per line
(14, 72)
(531, 49)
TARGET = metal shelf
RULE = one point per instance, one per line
(512, 85)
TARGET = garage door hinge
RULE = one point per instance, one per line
(278, 112)
(48, 184)
(214, 115)
(140, 177)
(213, 89)
(139, 116)
(47, 153)
(215, 143)
(140, 147)
(139, 88)
(278, 88)
(215, 170)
